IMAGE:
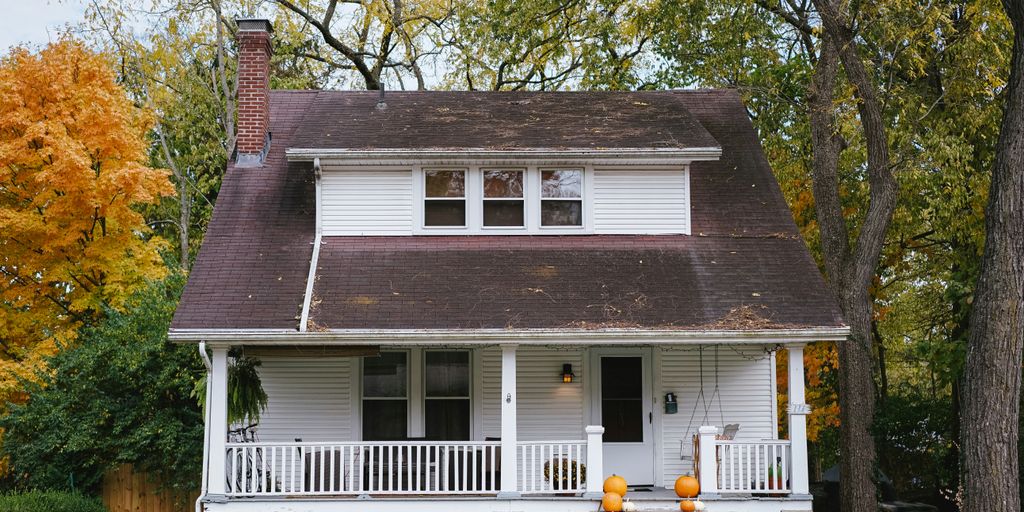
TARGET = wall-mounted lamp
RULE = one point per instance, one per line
(671, 405)
(567, 374)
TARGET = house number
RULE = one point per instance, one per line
(508, 398)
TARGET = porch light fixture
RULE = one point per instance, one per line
(567, 374)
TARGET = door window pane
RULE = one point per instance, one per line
(622, 413)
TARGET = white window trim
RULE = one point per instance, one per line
(474, 202)
(466, 186)
(416, 387)
(484, 199)
(582, 199)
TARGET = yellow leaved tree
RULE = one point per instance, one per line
(72, 170)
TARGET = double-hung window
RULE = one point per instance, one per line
(442, 405)
(386, 397)
(503, 198)
(444, 202)
(561, 198)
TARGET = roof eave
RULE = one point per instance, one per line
(615, 336)
(656, 156)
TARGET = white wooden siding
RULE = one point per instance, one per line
(641, 201)
(308, 398)
(547, 408)
(367, 202)
(744, 396)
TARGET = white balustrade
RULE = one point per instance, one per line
(267, 469)
(553, 467)
(752, 467)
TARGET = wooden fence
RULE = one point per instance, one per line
(125, 490)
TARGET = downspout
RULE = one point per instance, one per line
(311, 277)
(206, 426)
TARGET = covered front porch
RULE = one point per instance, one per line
(513, 427)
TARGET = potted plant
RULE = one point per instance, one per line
(568, 475)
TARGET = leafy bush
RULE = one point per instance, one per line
(119, 395)
(49, 501)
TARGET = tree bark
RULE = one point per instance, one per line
(992, 371)
(851, 268)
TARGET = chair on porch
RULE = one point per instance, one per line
(325, 471)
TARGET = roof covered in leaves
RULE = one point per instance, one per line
(745, 266)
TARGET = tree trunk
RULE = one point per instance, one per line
(851, 268)
(992, 371)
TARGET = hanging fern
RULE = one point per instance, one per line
(246, 397)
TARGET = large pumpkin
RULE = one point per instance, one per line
(687, 487)
(615, 484)
(687, 506)
(611, 502)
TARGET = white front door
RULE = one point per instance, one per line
(622, 404)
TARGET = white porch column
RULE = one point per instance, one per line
(595, 462)
(708, 468)
(798, 411)
(509, 439)
(218, 425)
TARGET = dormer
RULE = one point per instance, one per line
(479, 163)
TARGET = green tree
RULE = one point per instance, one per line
(121, 395)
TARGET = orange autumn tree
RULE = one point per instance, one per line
(73, 155)
(821, 362)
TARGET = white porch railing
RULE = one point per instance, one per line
(547, 467)
(269, 469)
(755, 467)
(742, 467)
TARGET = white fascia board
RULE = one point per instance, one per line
(518, 336)
(542, 156)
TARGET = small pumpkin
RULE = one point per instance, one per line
(687, 487)
(687, 506)
(615, 484)
(698, 505)
(611, 502)
(629, 506)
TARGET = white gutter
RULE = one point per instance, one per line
(206, 426)
(555, 154)
(519, 336)
(313, 260)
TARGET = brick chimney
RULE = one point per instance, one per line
(254, 51)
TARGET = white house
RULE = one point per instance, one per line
(467, 300)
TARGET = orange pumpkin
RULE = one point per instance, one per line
(615, 484)
(611, 502)
(687, 506)
(687, 487)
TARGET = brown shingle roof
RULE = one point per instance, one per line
(500, 120)
(745, 251)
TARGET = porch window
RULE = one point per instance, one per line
(561, 198)
(386, 397)
(446, 397)
(444, 203)
(503, 198)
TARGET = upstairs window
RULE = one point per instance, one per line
(445, 199)
(503, 198)
(561, 198)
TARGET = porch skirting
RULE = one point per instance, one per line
(659, 500)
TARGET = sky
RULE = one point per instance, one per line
(36, 22)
